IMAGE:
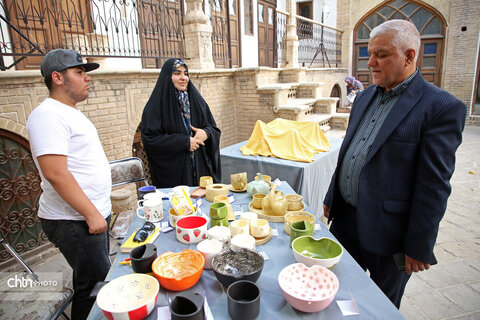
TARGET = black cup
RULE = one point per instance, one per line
(243, 300)
(187, 306)
(142, 258)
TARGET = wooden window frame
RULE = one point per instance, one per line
(248, 18)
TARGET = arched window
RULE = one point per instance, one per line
(428, 21)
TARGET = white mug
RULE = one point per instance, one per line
(239, 227)
(149, 196)
(152, 210)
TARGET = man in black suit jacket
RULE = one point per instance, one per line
(391, 185)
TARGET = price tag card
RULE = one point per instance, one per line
(164, 224)
(317, 226)
(264, 255)
(277, 182)
(163, 313)
(274, 232)
(199, 203)
(166, 229)
(231, 198)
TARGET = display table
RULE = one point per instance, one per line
(354, 282)
(311, 180)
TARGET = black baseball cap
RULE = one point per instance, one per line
(61, 59)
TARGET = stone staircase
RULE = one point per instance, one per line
(294, 99)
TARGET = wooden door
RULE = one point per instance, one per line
(235, 44)
(48, 24)
(429, 60)
(266, 33)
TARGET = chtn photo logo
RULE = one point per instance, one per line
(23, 281)
(46, 281)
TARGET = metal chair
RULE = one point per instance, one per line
(24, 303)
(124, 171)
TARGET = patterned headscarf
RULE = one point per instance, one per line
(353, 83)
(183, 98)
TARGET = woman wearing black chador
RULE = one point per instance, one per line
(179, 133)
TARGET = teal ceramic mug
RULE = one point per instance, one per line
(300, 228)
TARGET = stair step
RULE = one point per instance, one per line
(318, 117)
(296, 104)
(289, 85)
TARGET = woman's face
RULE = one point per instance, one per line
(180, 78)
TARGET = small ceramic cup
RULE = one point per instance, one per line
(209, 248)
(243, 300)
(187, 306)
(191, 229)
(144, 190)
(149, 196)
(300, 228)
(142, 258)
(239, 227)
(152, 210)
(238, 180)
(259, 228)
(220, 233)
(257, 200)
(205, 181)
(218, 210)
(242, 241)
(294, 202)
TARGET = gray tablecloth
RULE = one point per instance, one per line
(354, 283)
(311, 180)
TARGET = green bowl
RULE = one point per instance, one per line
(310, 251)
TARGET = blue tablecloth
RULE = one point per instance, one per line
(354, 283)
(311, 180)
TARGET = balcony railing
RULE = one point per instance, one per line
(319, 44)
(96, 28)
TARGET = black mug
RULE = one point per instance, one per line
(243, 300)
(142, 258)
(187, 306)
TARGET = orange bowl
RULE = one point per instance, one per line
(178, 271)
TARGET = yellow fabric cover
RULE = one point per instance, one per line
(286, 139)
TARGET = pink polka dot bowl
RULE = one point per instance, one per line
(308, 289)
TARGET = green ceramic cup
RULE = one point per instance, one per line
(300, 228)
(218, 210)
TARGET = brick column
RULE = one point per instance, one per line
(198, 35)
(290, 37)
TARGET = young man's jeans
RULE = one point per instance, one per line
(86, 253)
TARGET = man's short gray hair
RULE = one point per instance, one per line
(406, 35)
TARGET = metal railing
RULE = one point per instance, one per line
(218, 12)
(280, 30)
(319, 44)
(95, 28)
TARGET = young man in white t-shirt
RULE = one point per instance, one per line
(75, 207)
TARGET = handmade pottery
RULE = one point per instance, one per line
(224, 199)
(259, 228)
(205, 181)
(178, 271)
(243, 300)
(274, 203)
(216, 189)
(258, 186)
(132, 294)
(240, 241)
(265, 178)
(187, 306)
(218, 214)
(191, 229)
(239, 227)
(257, 200)
(297, 216)
(249, 216)
(220, 233)
(152, 210)
(294, 202)
(142, 257)
(308, 289)
(239, 180)
(300, 228)
(209, 248)
(230, 266)
(173, 217)
(325, 252)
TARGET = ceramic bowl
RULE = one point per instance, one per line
(133, 294)
(297, 216)
(325, 252)
(308, 289)
(173, 217)
(178, 271)
(191, 229)
(230, 266)
(240, 241)
(294, 202)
